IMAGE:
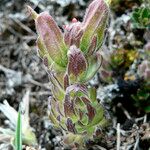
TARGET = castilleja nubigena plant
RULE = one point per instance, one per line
(72, 58)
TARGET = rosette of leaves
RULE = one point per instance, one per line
(72, 58)
(141, 17)
(79, 114)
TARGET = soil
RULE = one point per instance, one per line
(21, 70)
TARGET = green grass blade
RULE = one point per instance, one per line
(18, 137)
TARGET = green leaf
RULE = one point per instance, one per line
(18, 137)
(94, 63)
(51, 39)
(145, 13)
(140, 17)
(94, 23)
(147, 109)
(93, 94)
(143, 95)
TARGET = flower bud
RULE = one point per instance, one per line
(88, 35)
(73, 33)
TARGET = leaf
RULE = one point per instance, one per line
(73, 34)
(140, 17)
(77, 63)
(94, 23)
(92, 94)
(18, 137)
(94, 63)
(147, 109)
(10, 113)
(52, 38)
(41, 47)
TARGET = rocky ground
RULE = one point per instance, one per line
(21, 70)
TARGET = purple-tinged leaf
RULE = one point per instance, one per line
(85, 100)
(68, 106)
(70, 126)
(76, 61)
(52, 38)
(58, 118)
(73, 34)
(77, 88)
(92, 46)
(66, 81)
(80, 114)
(91, 112)
(94, 63)
(45, 61)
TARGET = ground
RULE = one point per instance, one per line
(22, 70)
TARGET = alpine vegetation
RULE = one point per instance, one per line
(72, 58)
